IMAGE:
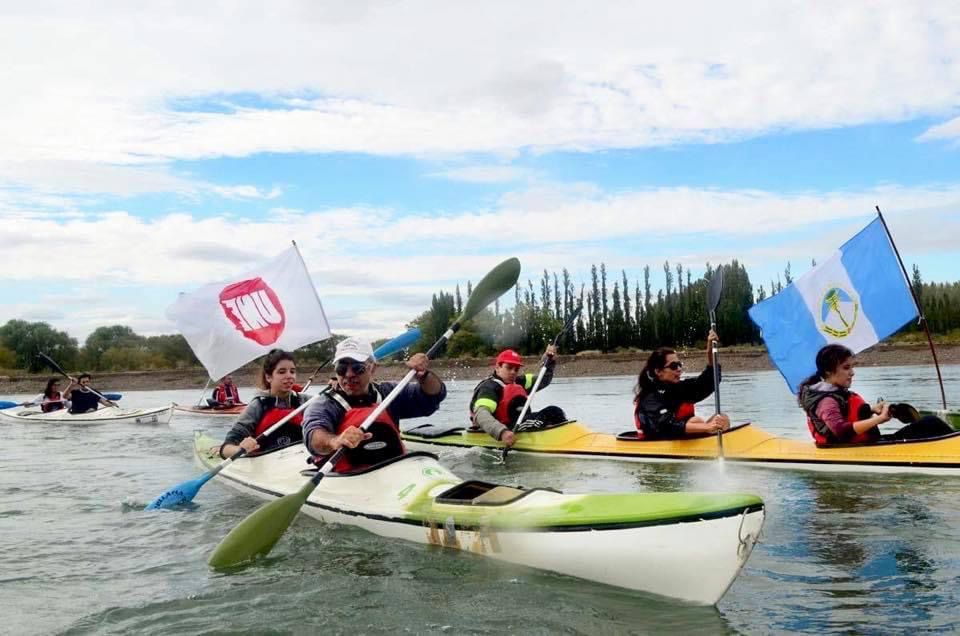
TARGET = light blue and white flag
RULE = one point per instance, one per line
(857, 297)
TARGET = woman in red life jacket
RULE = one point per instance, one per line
(663, 406)
(837, 415)
(50, 399)
(277, 378)
(333, 419)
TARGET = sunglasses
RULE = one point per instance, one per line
(358, 368)
(676, 365)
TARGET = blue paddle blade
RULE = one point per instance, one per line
(179, 494)
(397, 344)
(113, 397)
(4, 404)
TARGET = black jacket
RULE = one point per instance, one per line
(656, 407)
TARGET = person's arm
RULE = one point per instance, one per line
(862, 426)
(484, 419)
(414, 400)
(70, 387)
(320, 421)
(699, 388)
(37, 401)
(241, 435)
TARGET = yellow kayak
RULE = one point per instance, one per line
(746, 443)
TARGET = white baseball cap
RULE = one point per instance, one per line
(353, 349)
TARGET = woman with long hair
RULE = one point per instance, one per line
(277, 398)
(664, 400)
(837, 415)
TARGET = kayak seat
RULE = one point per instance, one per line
(631, 436)
(430, 431)
(481, 493)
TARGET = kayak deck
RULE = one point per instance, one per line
(683, 545)
(746, 443)
(103, 415)
(232, 411)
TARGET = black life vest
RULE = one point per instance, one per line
(83, 401)
(684, 412)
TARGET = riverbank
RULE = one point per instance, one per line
(584, 364)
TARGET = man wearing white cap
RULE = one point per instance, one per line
(332, 420)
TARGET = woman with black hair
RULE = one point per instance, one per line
(837, 415)
(276, 400)
(664, 402)
(50, 399)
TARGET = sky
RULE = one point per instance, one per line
(407, 146)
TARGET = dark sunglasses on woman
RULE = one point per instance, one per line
(676, 365)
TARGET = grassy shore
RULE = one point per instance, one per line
(585, 364)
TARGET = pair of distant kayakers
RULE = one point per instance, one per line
(333, 419)
(79, 396)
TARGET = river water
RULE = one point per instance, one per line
(839, 552)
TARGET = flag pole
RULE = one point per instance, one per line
(916, 301)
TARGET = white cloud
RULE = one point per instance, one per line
(113, 83)
(369, 263)
(947, 130)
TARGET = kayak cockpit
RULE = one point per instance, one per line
(631, 436)
(481, 493)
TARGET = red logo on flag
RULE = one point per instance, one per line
(254, 310)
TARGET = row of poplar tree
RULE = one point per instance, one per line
(617, 313)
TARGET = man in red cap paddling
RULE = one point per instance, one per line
(498, 400)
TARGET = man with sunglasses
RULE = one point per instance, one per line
(332, 420)
(498, 400)
(664, 402)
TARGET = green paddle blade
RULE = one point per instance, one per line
(496, 283)
(260, 531)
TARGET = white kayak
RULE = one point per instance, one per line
(103, 415)
(688, 546)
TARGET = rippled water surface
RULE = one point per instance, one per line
(839, 552)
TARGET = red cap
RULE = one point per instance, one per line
(509, 356)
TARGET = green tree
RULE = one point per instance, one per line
(26, 339)
(114, 336)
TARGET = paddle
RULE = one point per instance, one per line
(6, 404)
(56, 367)
(713, 299)
(186, 491)
(259, 532)
(543, 370)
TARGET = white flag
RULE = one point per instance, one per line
(230, 323)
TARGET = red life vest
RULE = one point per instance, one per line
(55, 404)
(684, 412)
(385, 444)
(851, 403)
(511, 402)
(224, 393)
(273, 415)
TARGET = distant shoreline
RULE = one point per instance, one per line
(585, 364)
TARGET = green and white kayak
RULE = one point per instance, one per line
(688, 546)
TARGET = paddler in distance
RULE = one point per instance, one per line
(498, 399)
(333, 419)
(82, 398)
